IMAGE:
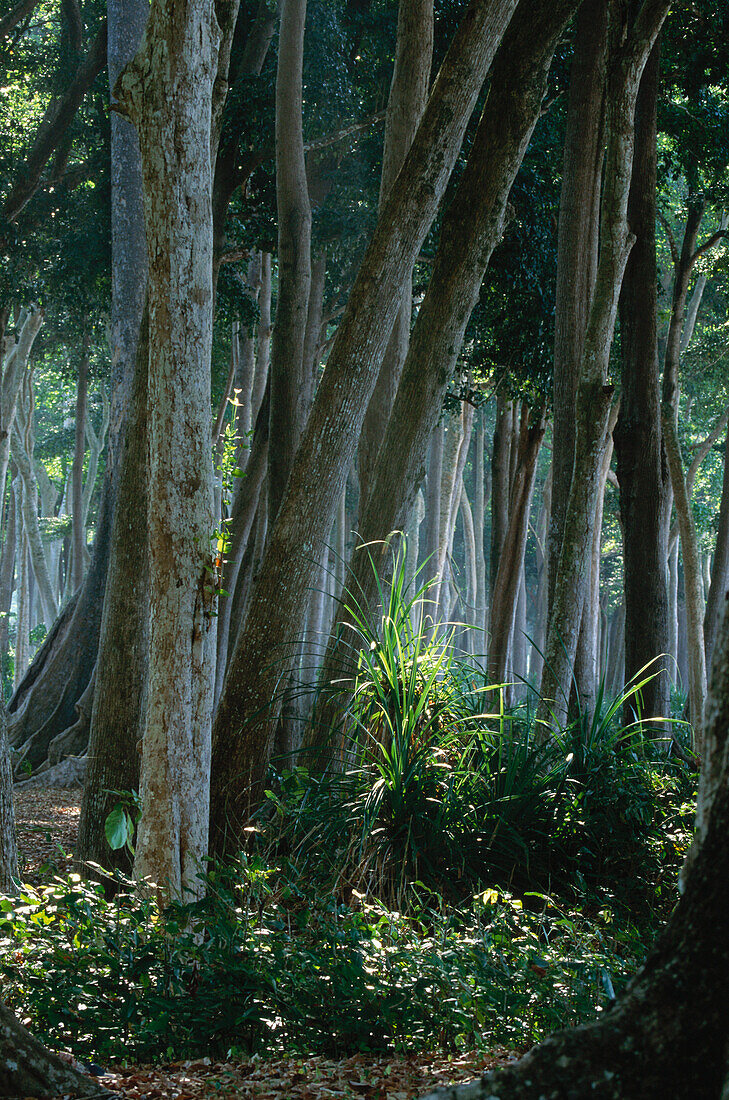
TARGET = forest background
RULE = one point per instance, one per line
(486, 309)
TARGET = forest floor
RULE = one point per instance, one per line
(47, 822)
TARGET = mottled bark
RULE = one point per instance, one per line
(168, 90)
(28, 1069)
(8, 843)
(246, 716)
(594, 395)
(408, 94)
(642, 472)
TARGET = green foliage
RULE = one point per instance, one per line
(267, 962)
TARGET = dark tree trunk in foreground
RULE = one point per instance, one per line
(472, 227)
(28, 1069)
(642, 474)
(719, 566)
(267, 648)
(666, 1037)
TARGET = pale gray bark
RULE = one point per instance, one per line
(330, 437)
(481, 494)
(500, 483)
(408, 95)
(541, 604)
(77, 479)
(594, 395)
(23, 446)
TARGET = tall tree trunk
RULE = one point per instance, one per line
(168, 89)
(511, 559)
(243, 737)
(79, 452)
(642, 473)
(577, 239)
(294, 256)
(500, 485)
(23, 446)
(471, 229)
(120, 686)
(594, 395)
(408, 95)
(541, 608)
(432, 514)
(8, 844)
(481, 497)
(587, 656)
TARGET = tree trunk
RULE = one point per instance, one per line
(471, 228)
(594, 395)
(541, 603)
(168, 89)
(642, 473)
(77, 481)
(577, 239)
(511, 559)
(246, 716)
(23, 445)
(8, 844)
(119, 696)
(500, 485)
(408, 95)
(480, 500)
(28, 1069)
(294, 257)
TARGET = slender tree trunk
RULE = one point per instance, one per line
(541, 602)
(432, 513)
(23, 445)
(119, 696)
(8, 844)
(501, 485)
(511, 560)
(330, 438)
(469, 539)
(480, 499)
(7, 574)
(578, 230)
(594, 395)
(408, 95)
(79, 453)
(641, 469)
(472, 227)
(294, 256)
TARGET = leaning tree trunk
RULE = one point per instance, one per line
(168, 90)
(594, 395)
(28, 1069)
(247, 711)
(471, 228)
(408, 95)
(642, 473)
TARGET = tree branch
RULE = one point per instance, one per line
(53, 127)
(19, 12)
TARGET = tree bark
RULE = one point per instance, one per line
(247, 711)
(641, 468)
(77, 479)
(294, 257)
(577, 240)
(8, 844)
(408, 95)
(594, 396)
(471, 228)
(511, 559)
(28, 1069)
(120, 686)
(168, 90)
(501, 485)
